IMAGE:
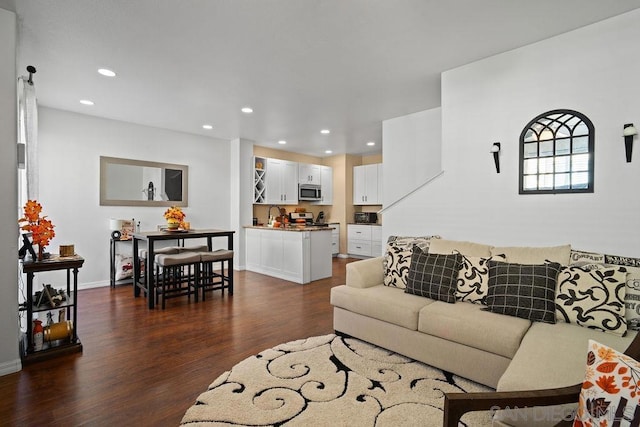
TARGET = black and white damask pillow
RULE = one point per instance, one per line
(397, 258)
(593, 296)
(433, 275)
(632, 296)
(473, 278)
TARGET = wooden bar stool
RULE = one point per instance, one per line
(211, 280)
(179, 275)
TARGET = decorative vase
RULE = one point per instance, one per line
(40, 252)
(38, 335)
(173, 225)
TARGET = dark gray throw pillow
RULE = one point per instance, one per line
(433, 275)
(523, 290)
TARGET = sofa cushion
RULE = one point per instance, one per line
(381, 302)
(523, 290)
(556, 354)
(469, 325)
(443, 246)
(537, 255)
(593, 296)
(397, 258)
(473, 278)
(433, 275)
(609, 389)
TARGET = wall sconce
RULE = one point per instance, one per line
(495, 149)
(628, 132)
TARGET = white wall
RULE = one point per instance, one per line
(594, 70)
(241, 204)
(9, 333)
(70, 148)
(420, 134)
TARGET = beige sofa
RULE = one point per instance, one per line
(504, 352)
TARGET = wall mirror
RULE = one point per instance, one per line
(128, 182)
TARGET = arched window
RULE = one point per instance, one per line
(556, 154)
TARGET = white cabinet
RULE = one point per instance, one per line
(364, 240)
(309, 174)
(335, 238)
(376, 241)
(366, 183)
(326, 182)
(281, 182)
(297, 256)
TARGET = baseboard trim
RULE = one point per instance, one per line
(10, 367)
(90, 285)
(343, 256)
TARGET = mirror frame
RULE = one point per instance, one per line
(105, 161)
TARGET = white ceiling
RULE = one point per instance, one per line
(303, 65)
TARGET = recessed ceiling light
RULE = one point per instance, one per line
(86, 102)
(282, 142)
(325, 131)
(371, 143)
(328, 151)
(247, 110)
(208, 127)
(106, 72)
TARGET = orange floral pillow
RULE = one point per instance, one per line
(610, 394)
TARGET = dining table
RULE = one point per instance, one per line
(151, 237)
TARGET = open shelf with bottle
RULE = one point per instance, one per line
(60, 337)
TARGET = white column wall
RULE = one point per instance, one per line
(10, 331)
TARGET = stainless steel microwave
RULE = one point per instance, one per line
(309, 192)
(365, 217)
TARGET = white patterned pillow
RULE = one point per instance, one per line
(593, 296)
(397, 258)
(123, 267)
(632, 292)
(472, 284)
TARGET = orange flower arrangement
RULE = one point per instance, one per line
(40, 227)
(174, 215)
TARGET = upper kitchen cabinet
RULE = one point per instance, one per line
(367, 188)
(275, 181)
(326, 183)
(309, 174)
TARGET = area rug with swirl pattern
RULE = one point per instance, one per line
(330, 380)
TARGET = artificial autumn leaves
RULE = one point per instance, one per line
(40, 227)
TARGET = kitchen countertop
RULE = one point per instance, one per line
(362, 223)
(290, 228)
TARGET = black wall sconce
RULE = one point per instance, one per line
(629, 132)
(495, 149)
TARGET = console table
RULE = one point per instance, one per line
(30, 268)
(153, 236)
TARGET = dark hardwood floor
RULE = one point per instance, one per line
(146, 367)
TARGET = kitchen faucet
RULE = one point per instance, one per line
(269, 213)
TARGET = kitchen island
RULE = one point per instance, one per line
(297, 254)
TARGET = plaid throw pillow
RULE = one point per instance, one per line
(433, 275)
(523, 290)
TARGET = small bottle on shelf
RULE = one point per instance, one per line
(38, 335)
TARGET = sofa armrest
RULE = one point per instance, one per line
(365, 273)
(457, 404)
